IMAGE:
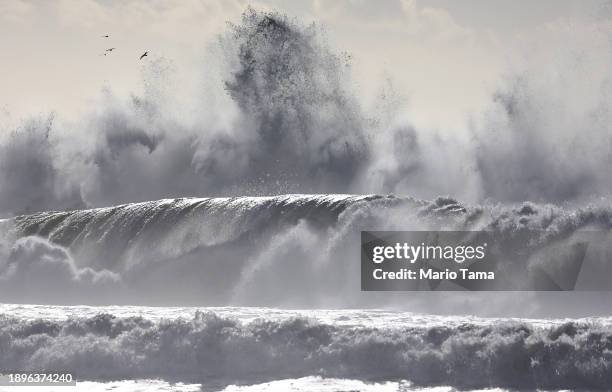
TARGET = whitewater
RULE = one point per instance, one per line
(107, 271)
(262, 293)
(290, 251)
(251, 349)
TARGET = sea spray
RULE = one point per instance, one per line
(291, 250)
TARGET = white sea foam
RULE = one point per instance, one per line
(304, 384)
(248, 346)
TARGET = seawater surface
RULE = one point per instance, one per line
(136, 348)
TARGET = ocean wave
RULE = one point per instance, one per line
(288, 250)
(221, 351)
(280, 114)
(126, 235)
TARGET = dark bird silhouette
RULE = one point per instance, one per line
(110, 49)
(144, 55)
(105, 36)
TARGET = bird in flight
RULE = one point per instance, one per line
(144, 55)
(110, 49)
(105, 36)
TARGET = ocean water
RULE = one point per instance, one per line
(305, 384)
(202, 287)
(137, 348)
(263, 293)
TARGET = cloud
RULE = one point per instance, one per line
(16, 11)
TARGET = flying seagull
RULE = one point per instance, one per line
(144, 55)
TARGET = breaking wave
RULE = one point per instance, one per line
(289, 251)
(218, 350)
(278, 117)
(283, 118)
(278, 113)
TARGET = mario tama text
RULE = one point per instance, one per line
(412, 254)
(470, 260)
(424, 260)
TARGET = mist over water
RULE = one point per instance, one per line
(296, 251)
(293, 126)
(246, 194)
(277, 113)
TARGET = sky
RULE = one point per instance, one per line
(489, 103)
(481, 100)
(443, 57)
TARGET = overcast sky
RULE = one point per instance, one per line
(444, 56)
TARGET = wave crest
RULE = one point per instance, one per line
(291, 250)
